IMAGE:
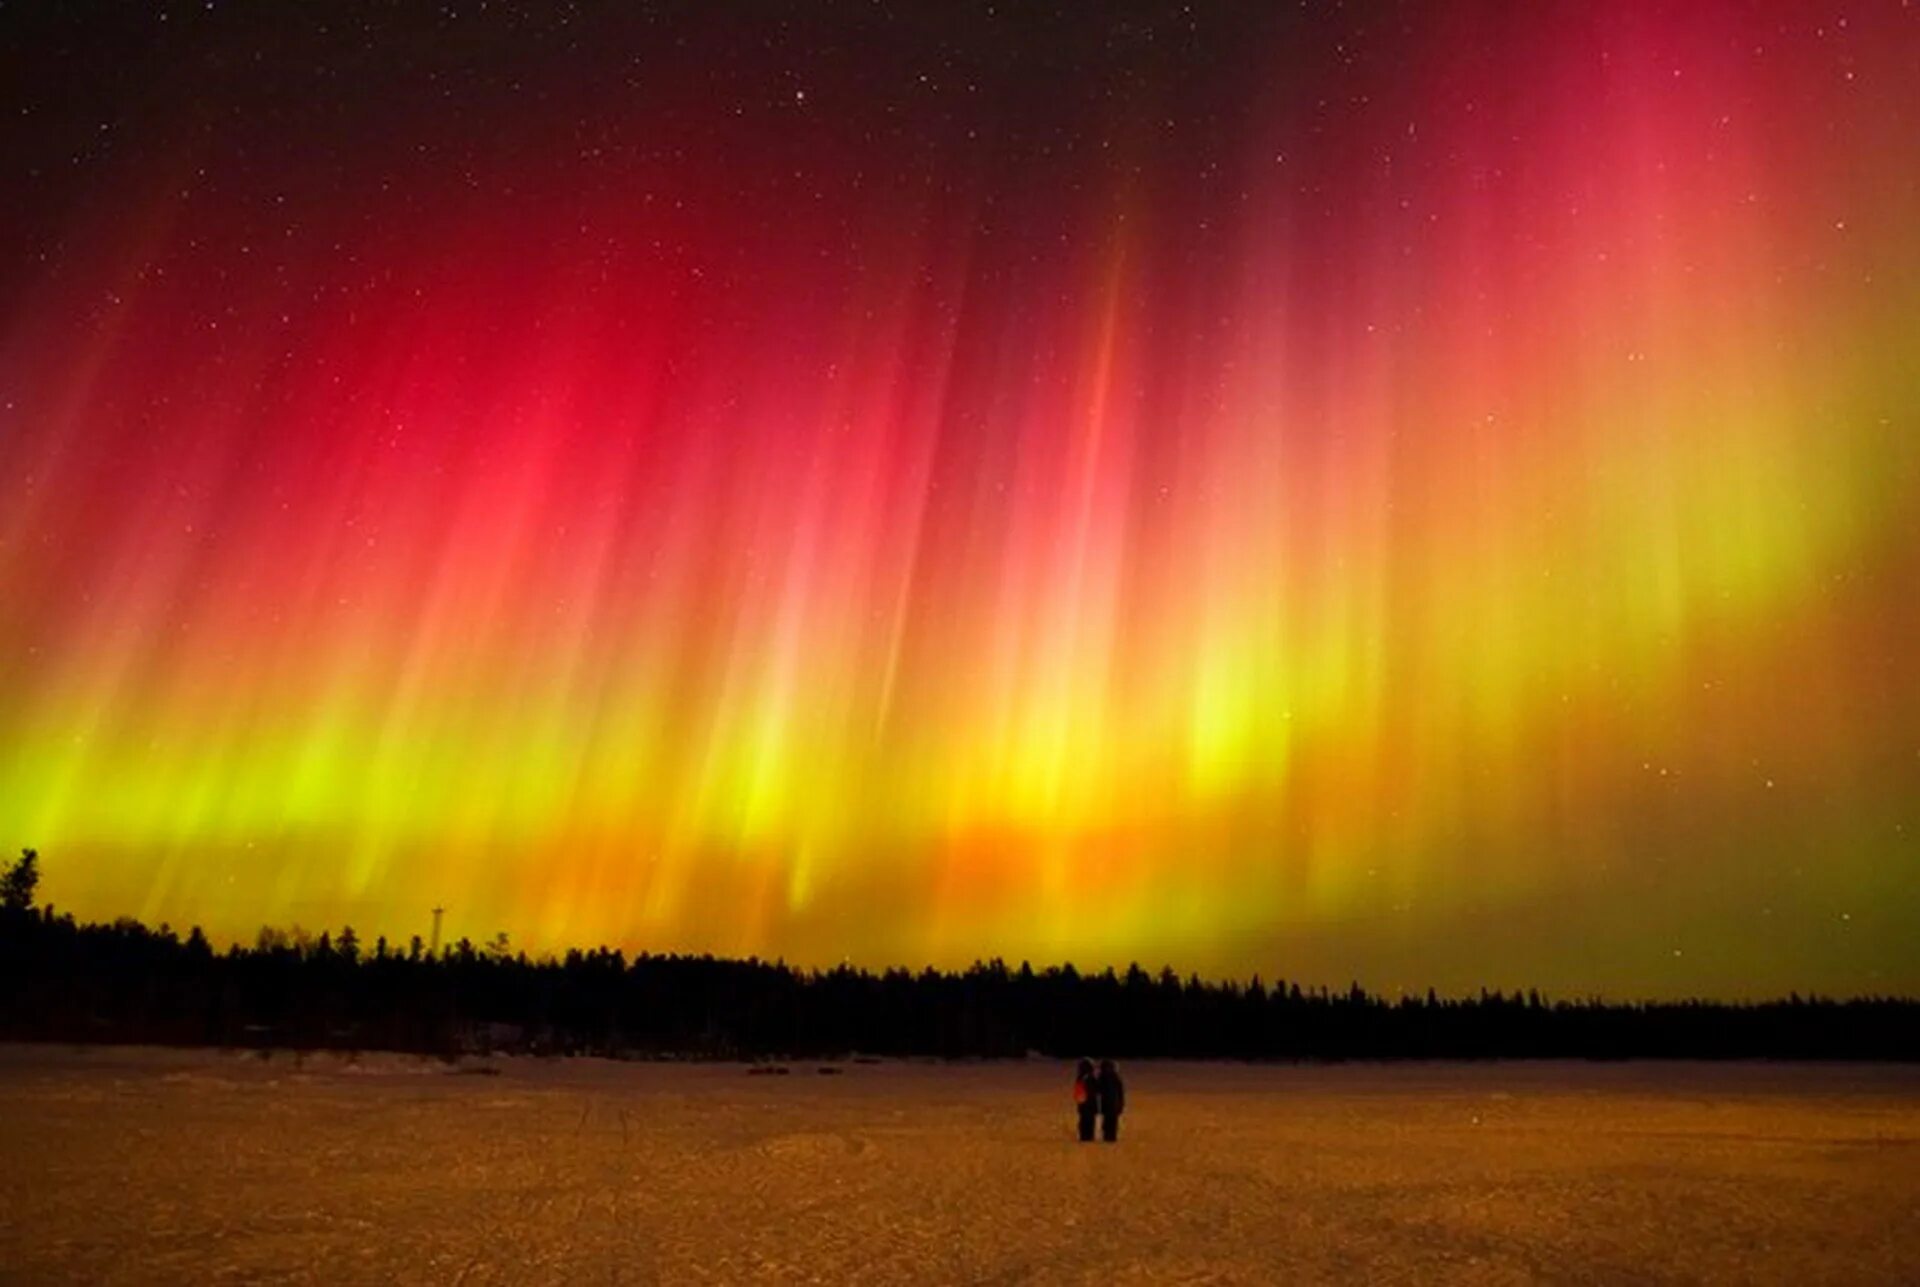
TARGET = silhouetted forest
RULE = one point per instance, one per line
(125, 982)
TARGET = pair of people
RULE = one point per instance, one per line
(1099, 1094)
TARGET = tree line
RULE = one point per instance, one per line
(125, 982)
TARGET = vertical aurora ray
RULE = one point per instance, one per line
(1429, 505)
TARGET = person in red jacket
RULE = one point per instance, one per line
(1086, 1098)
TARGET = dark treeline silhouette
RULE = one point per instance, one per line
(125, 982)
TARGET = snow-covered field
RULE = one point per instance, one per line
(142, 1166)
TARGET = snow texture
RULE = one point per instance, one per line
(141, 1166)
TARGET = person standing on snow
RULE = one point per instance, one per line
(1112, 1094)
(1086, 1098)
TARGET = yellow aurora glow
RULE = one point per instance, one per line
(1478, 549)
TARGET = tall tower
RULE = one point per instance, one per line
(434, 950)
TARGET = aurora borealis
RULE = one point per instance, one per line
(1418, 494)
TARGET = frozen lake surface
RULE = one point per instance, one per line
(143, 1166)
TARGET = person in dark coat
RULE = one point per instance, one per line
(1112, 1094)
(1086, 1097)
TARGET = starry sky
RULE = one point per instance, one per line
(1410, 493)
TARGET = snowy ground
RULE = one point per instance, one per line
(156, 1167)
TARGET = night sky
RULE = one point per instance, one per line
(1418, 494)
